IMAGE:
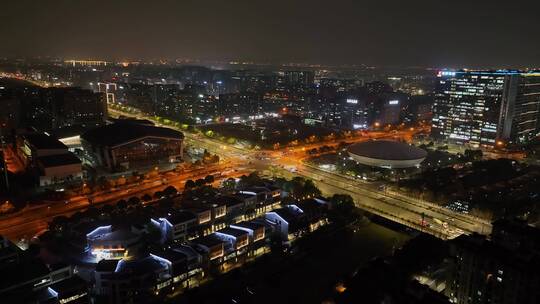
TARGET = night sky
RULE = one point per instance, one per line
(453, 33)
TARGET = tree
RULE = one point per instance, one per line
(165, 204)
(342, 202)
(107, 209)
(473, 154)
(102, 182)
(206, 154)
(58, 223)
(301, 188)
(91, 212)
(229, 184)
(343, 209)
(134, 201)
(209, 179)
(342, 145)
(122, 204)
(199, 182)
(189, 184)
(33, 250)
(170, 190)
(310, 189)
(253, 179)
(77, 216)
(158, 194)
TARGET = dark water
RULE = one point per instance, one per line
(307, 276)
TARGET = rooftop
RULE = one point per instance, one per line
(129, 120)
(174, 255)
(28, 269)
(232, 231)
(181, 217)
(145, 265)
(107, 265)
(59, 160)
(70, 285)
(242, 196)
(70, 131)
(210, 240)
(256, 190)
(106, 233)
(43, 141)
(387, 150)
(229, 200)
(186, 250)
(121, 133)
(249, 225)
(489, 72)
(288, 214)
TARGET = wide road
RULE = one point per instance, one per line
(419, 214)
(415, 213)
(442, 222)
(34, 220)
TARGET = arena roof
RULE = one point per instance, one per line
(387, 150)
(120, 133)
(57, 160)
(44, 141)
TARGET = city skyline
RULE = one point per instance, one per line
(270, 152)
(390, 33)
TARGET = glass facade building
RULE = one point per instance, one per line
(481, 108)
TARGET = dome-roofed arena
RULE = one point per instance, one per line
(386, 154)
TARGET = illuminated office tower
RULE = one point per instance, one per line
(109, 89)
(484, 109)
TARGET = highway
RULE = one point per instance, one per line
(415, 213)
(390, 204)
(436, 220)
(418, 214)
(33, 220)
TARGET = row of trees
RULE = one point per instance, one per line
(321, 150)
(190, 184)
(121, 207)
(301, 188)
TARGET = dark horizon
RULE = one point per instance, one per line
(388, 33)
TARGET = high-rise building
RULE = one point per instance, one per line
(390, 113)
(503, 270)
(74, 106)
(353, 113)
(46, 109)
(241, 104)
(109, 89)
(486, 108)
(293, 80)
(303, 79)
